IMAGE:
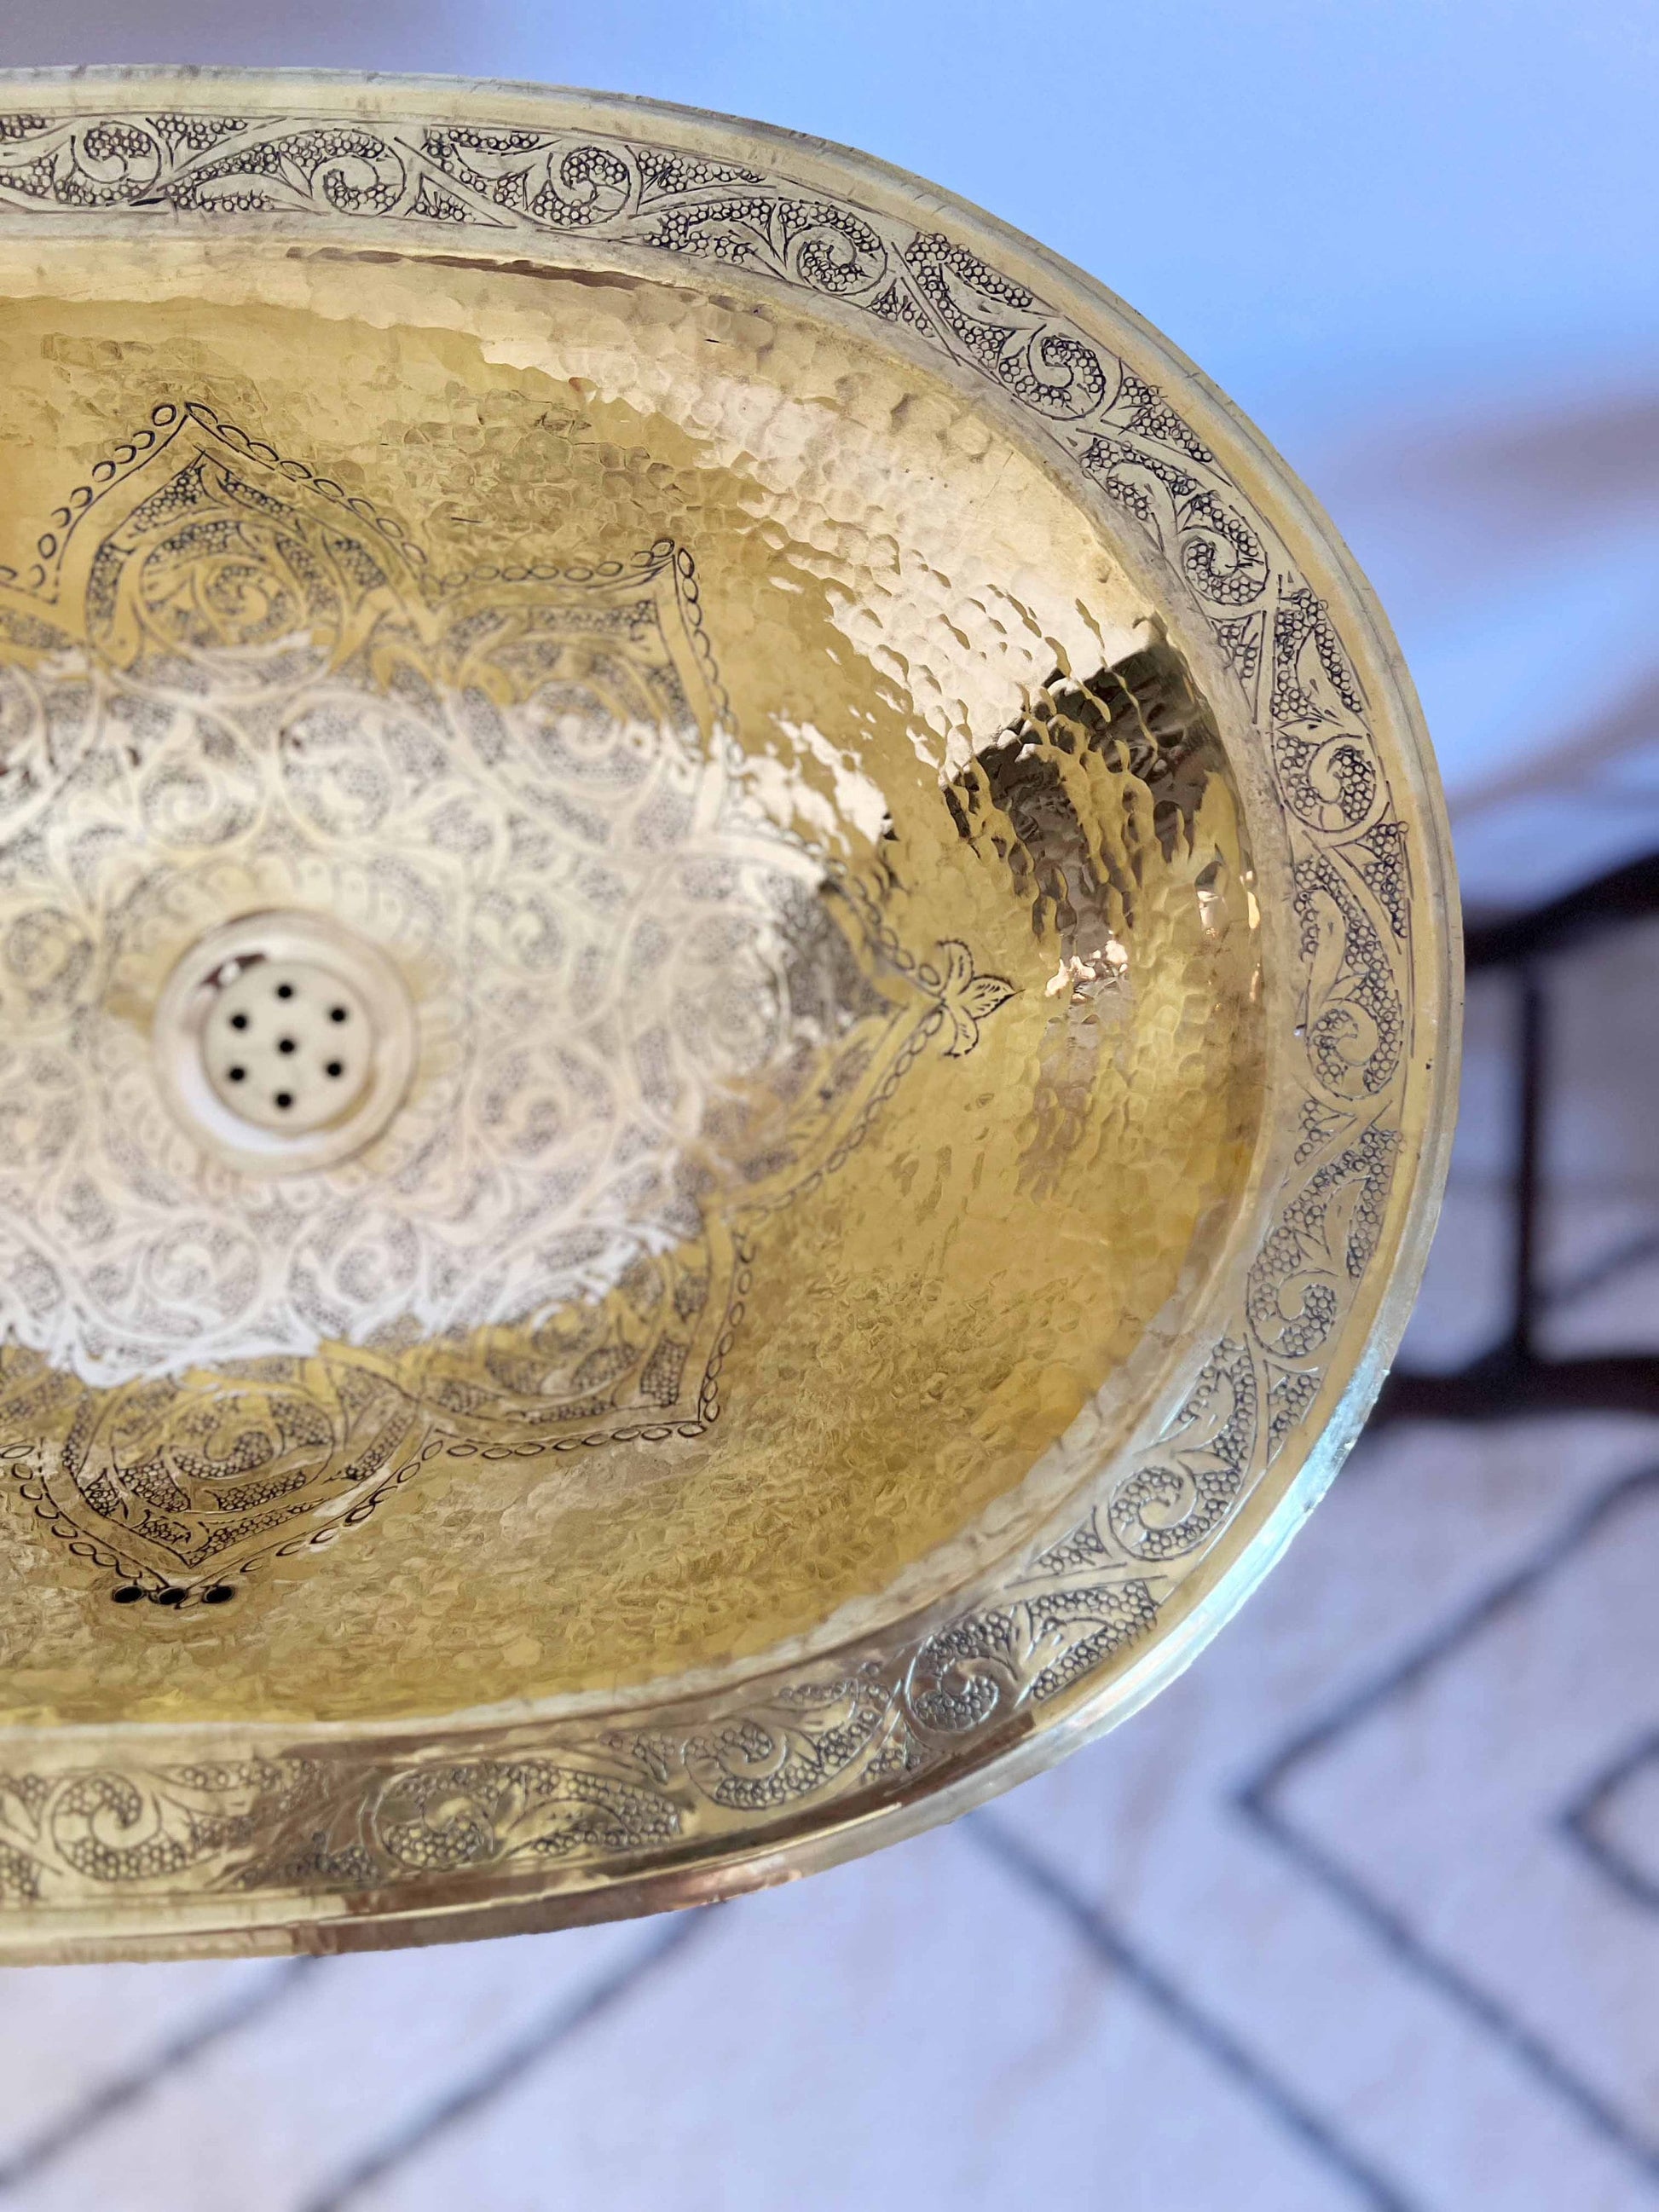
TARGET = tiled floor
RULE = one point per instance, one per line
(1363, 1912)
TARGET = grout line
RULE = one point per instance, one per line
(104, 2104)
(1577, 1527)
(1510, 2033)
(1580, 1824)
(1257, 1802)
(1200, 2027)
(539, 2041)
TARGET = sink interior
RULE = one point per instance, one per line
(811, 871)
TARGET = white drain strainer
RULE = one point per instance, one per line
(284, 1042)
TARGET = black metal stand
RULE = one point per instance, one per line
(1514, 1378)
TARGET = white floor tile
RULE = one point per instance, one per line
(914, 2031)
(358, 2048)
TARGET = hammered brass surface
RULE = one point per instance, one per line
(281, 706)
(924, 908)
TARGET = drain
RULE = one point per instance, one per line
(284, 1042)
(288, 1046)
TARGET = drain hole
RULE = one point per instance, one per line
(250, 1039)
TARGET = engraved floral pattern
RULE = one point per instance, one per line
(635, 994)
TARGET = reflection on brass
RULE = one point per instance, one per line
(885, 914)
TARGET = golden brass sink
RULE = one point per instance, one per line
(726, 1009)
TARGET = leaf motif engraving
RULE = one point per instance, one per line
(967, 998)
